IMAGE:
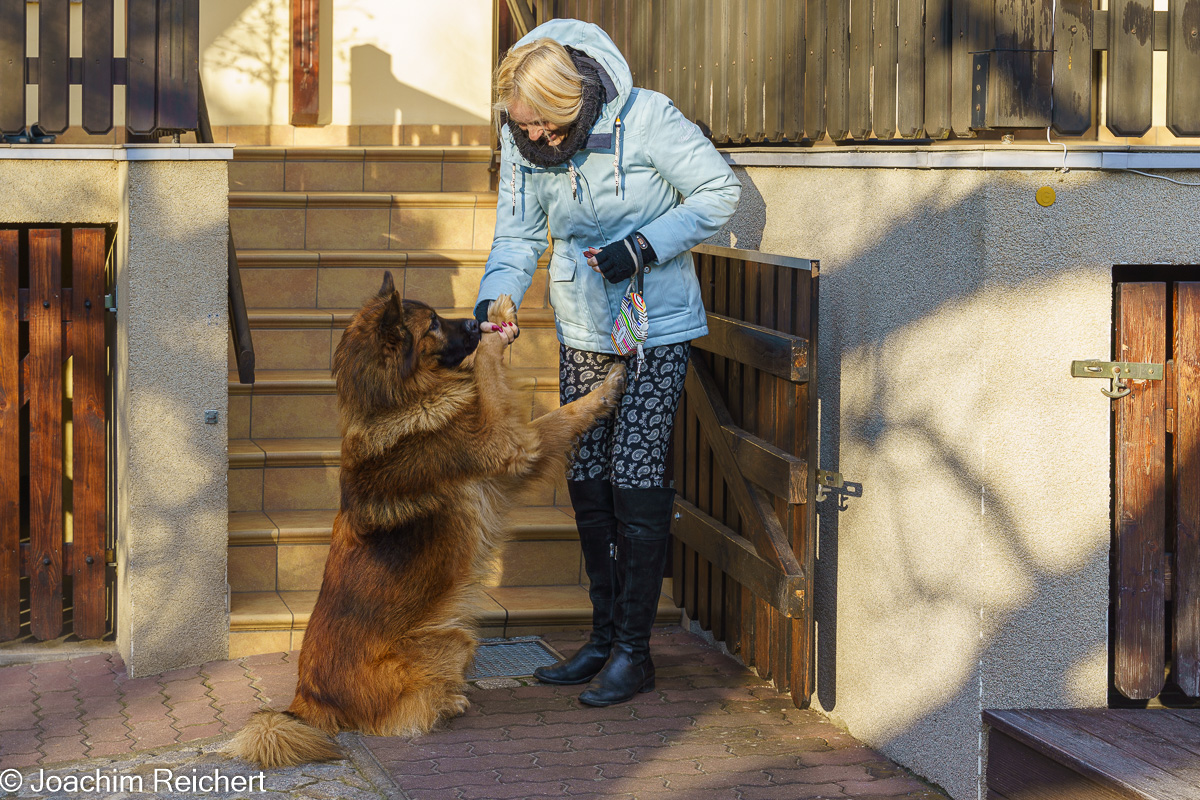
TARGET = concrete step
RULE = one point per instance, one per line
(286, 550)
(360, 169)
(267, 622)
(332, 279)
(362, 220)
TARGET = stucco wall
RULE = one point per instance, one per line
(972, 572)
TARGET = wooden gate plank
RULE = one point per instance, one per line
(910, 80)
(12, 65)
(884, 58)
(45, 433)
(1183, 65)
(861, 48)
(937, 68)
(961, 68)
(707, 475)
(1073, 66)
(88, 256)
(97, 66)
(178, 64)
(1130, 65)
(142, 54)
(10, 438)
(837, 70)
(1186, 623)
(1140, 503)
(54, 64)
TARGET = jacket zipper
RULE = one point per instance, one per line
(591, 204)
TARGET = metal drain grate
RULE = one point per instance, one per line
(510, 658)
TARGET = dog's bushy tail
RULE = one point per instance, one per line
(278, 739)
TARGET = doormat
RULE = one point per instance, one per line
(511, 658)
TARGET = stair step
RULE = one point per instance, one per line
(298, 318)
(265, 622)
(405, 168)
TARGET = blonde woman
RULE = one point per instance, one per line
(624, 185)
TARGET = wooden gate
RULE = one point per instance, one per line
(1156, 512)
(53, 431)
(745, 464)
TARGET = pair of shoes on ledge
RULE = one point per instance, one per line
(30, 134)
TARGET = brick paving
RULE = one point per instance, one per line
(711, 729)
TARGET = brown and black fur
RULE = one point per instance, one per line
(434, 446)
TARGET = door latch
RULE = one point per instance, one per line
(1118, 372)
(825, 478)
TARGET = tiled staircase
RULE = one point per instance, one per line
(315, 229)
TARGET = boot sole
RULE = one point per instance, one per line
(553, 682)
(648, 686)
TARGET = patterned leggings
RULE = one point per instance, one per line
(630, 448)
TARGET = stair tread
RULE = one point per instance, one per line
(340, 317)
(315, 381)
(525, 523)
(454, 153)
(239, 198)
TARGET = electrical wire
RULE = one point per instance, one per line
(1064, 169)
(1160, 177)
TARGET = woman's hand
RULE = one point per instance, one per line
(508, 330)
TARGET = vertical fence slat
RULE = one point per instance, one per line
(178, 63)
(1140, 507)
(10, 439)
(737, 56)
(837, 75)
(1130, 65)
(746, 601)
(141, 48)
(910, 76)
(1073, 66)
(88, 424)
(961, 68)
(773, 67)
(756, 73)
(937, 68)
(701, 69)
(54, 64)
(718, 37)
(683, 458)
(45, 566)
(97, 66)
(1183, 65)
(1186, 624)
(815, 67)
(793, 69)
(12, 65)
(784, 437)
(884, 58)
(860, 68)
(707, 471)
(1019, 79)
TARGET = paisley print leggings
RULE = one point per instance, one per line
(630, 449)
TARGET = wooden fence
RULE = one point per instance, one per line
(160, 69)
(53, 430)
(795, 70)
(745, 461)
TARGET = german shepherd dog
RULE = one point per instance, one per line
(434, 446)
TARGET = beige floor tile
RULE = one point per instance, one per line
(251, 527)
(431, 228)
(540, 563)
(252, 568)
(485, 227)
(302, 452)
(443, 288)
(301, 566)
(279, 288)
(337, 337)
(258, 611)
(300, 488)
(268, 228)
(239, 416)
(403, 176)
(544, 402)
(300, 527)
(325, 136)
(282, 348)
(350, 287)
(433, 134)
(301, 604)
(281, 415)
(348, 228)
(468, 177)
(253, 643)
(324, 176)
(256, 176)
(537, 494)
(245, 489)
(537, 347)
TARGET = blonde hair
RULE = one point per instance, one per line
(542, 76)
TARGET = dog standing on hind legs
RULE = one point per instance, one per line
(434, 446)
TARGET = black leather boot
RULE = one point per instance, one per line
(597, 523)
(643, 541)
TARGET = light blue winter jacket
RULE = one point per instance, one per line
(655, 173)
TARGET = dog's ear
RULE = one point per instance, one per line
(389, 286)
(391, 320)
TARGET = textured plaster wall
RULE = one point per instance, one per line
(971, 573)
(60, 191)
(172, 297)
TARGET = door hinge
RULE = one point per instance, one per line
(110, 301)
(1118, 372)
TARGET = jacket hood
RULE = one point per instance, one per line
(591, 40)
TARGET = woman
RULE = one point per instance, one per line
(623, 182)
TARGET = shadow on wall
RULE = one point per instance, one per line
(957, 559)
(377, 98)
(245, 55)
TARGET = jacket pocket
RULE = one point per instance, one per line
(562, 268)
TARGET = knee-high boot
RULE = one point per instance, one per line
(643, 541)
(597, 523)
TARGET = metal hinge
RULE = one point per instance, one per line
(110, 558)
(825, 478)
(110, 301)
(1118, 372)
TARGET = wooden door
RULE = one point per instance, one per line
(1156, 493)
(745, 464)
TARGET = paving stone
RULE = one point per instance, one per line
(109, 747)
(583, 757)
(560, 730)
(190, 733)
(196, 712)
(441, 781)
(108, 728)
(643, 785)
(51, 702)
(18, 719)
(62, 724)
(667, 769)
(19, 760)
(185, 692)
(825, 774)
(794, 792)
(516, 791)
(801, 747)
(617, 741)
(62, 748)
(493, 762)
(22, 741)
(889, 787)
(541, 746)
(556, 774)
(223, 671)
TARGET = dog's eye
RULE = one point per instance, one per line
(434, 325)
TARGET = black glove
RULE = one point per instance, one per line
(481, 309)
(618, 260)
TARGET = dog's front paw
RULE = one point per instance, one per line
(456, 706)
(613, 386)
(502, 310)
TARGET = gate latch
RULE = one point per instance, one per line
(1118, 372)
(825, 478)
